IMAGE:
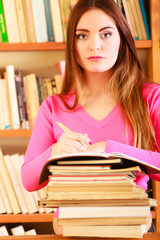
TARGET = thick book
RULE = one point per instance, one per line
(98, 202)
(130, 231)
(103, 212)
(103, 221)
(128, 161)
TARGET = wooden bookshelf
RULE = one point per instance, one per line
(15, 133)
(7, 47)
(147, 236)
(25, 218)
(153, 62)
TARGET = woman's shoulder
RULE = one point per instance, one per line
(151, 94)
(150, 90)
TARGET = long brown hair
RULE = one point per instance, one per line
(127, 76)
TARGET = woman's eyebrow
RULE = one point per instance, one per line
(86, 30)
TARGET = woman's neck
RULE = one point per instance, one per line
(95, 83)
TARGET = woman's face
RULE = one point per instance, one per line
(97, 41)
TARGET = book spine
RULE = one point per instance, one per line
(5, 196)
(136, 20)
(65, 13)
(9, 186)
(10, 166)
(49, 21)
(19, 99)
(56, 20)
(39, 20)
(21, 21)
(3, 29)
(140, 18)
(132, 19)
(11, 21)
(28, 13)
(145, 19)
(4, 101)
(33, 96)
(13, 97)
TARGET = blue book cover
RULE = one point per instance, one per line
(145, 19)
(49, 21)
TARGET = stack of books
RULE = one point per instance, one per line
(97, 197)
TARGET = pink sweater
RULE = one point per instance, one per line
(111, 129)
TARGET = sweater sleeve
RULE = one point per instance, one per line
(153, 103)
(39, 148)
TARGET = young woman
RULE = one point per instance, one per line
(104, 101)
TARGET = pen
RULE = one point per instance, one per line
(65, 129)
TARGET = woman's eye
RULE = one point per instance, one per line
(81, 36)
(106, 35)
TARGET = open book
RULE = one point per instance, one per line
(115, 159)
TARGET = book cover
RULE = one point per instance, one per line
(145, 19)
(127, 15)
(128, 161)
(11, 21)
(21, 21)
(39, 20)
(56, 20)
(49, 21)
(3, 29)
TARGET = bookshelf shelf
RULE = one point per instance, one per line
(25, 218)
(147, 236)
(8, 47)
(5, 47)
(15, 133)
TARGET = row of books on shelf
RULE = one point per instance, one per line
(34, 20)
(46, 20)
(21, 96)
(14, 199)
(97, 195)
(19, 230)
(135, 12)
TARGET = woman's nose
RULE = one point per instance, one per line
(95, 44)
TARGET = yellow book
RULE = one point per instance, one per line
(65, 13)
(21, 21)
(136, 19)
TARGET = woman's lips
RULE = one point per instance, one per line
(95, 58)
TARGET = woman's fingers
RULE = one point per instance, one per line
(71, 142)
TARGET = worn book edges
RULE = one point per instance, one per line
(127, 161)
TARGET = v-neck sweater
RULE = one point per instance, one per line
(111, 129)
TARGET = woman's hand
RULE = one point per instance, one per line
(97, 147)
(71, 142)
